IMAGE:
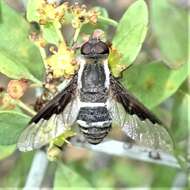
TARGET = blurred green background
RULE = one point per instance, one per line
(159, 78)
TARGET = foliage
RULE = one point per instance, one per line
(19, 169)
(130, 34)
(160, 83)
(11, 128)
(73, 179)
(19, 57)
(172, 39)
(6, 151)
(153, 81)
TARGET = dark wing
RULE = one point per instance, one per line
(137, 122)
(52, 120)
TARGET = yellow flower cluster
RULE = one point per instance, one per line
(82, 16)
(62, 62)
(51, 12)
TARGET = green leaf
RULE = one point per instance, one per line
(102, 22)
(163, 177)
(103, 18)
(16, 177)
(131, 32)
(180, 118)
(11, 126)
(49, 30)
(6, 151)
(179, 126)
(50, 33)
(16, 48)
(103, 12)
(169, 24)
(31, 11)
(153, 83)
(13, 69)
(129, 175)
(68, 178)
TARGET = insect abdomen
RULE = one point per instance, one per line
(95, 123)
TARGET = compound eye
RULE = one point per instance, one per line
(86, 49)
(94, 47)
(101, 48)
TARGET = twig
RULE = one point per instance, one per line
(25, 107)
(76, 34)
(75, 37)
(34, 85)
(59, 33)
(37, 171)
(113, 147)
(119, 148)
(24, 3)
(108, 20)
(180, 181)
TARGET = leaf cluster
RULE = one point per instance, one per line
(158, 76)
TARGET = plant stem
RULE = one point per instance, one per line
(75, 37)
(36, 85)
(180, 181)
(124, 149)
(42, 52)
(77, 31)
(35, 80)
(58, 31)
(25, 107)
(109, 21)
(37, 171)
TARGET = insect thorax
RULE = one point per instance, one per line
(93, 83)
(93, 118)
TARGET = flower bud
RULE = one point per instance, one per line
(16, 88)
(7, 102)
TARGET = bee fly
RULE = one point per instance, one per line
(95, 101)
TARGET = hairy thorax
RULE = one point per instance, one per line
(93, 83)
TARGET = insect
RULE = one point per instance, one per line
(94, 101)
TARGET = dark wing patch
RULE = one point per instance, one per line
(58, 103)
(55, 119)
(137, 123)
(131, 104)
